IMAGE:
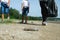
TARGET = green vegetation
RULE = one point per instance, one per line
(14, 13)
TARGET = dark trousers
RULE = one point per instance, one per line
(43, 10)
(25, 11)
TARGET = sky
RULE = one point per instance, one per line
(35, 9)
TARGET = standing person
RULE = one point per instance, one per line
(5, 8)
(25, 10)
(43, 11)
(48, 9)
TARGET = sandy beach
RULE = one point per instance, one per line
(15, 31)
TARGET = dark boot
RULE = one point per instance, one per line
(22, 20)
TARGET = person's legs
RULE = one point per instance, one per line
(7, 11)
(43, 11)
(2, 17)
(8, 16)
(2, 9)
(26, 17)
(44, 20)
(44, 17)
(22, 19)
(23, 12)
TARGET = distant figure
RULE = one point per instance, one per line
(43, 11)
(25, 10)
(5, 8)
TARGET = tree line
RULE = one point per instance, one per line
(15, 14)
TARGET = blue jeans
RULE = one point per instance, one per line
(25, 11)
(4, 10)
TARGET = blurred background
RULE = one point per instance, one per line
(35, 10)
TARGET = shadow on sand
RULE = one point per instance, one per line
(30, 24)
(11, 22)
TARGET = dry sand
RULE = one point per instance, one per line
(15, 31)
